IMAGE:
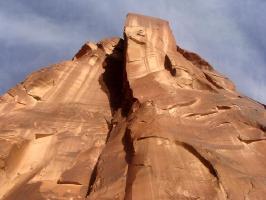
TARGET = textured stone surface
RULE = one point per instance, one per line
(138, 118)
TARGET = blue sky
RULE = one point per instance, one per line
(230, 34)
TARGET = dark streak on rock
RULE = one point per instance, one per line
(249, 141)
(151, 136)
(209, 78)
(203, 160)
(92, 179)
(68, 182)
(168, 66)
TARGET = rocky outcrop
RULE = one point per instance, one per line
(133, 118)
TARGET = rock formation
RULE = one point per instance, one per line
(134, 118)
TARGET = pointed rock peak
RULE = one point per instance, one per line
(148, 41)
(151, 47)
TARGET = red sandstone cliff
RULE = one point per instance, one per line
(134, 118)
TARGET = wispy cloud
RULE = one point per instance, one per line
(229, 34)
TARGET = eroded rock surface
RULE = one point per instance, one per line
(133, 118)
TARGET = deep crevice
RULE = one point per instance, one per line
(128, 146)
(111, 80)
(110, 128)
(129, 149)
(114, 81)
(168, 65)
(115, 84)
(68, 182)
(128, 97)
(203, 160)
(92, 178)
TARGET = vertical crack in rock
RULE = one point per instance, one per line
(112, 79)
(92, 178)
(111, 82)
(206, 163)
(110, 128)
(128, 146)
(128, 98)
(129, 149)
(115, 84)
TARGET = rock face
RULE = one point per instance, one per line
(133, 118)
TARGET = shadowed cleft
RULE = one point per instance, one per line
(92, 179)
(203, 160)
(129, 149)
(38, 136)
(128, 146)
(68, 182)
(168, 66)
(223, 107)
(249, 141)
(111, 80)
(152, 136)
(210, 79)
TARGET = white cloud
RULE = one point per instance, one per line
(33, 30)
